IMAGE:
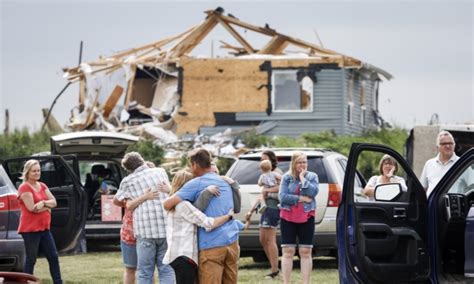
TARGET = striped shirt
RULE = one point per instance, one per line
(181, 231)
(148, 217)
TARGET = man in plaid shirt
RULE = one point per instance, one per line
(148, 218)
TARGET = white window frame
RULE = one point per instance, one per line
(288, 71)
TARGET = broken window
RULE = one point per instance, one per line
(292, 91)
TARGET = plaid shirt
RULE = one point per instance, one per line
(148, 217)
(181, 231)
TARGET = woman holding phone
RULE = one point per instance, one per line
(298, 189)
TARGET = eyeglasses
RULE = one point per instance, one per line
(446, 144)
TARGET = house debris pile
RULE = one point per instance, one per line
(161, 91)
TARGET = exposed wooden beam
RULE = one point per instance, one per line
(275, 46)
(237, 36)
(193, 38)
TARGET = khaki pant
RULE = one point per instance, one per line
(219, 265)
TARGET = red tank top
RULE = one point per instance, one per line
(29, 221)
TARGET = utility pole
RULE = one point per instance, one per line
(7, 122)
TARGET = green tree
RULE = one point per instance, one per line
(149, 151)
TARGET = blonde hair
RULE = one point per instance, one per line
(294, 158)
(180, 178)
(266, 165)
(27, 168)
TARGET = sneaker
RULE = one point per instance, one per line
(272, 275)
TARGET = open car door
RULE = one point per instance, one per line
(68, 218)
(383, 240)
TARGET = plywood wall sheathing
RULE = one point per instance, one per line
(219, 85)
(224, 85)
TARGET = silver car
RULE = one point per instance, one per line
(330, 167)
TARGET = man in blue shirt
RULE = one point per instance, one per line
(218, 249)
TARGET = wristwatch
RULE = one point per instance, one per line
(231, 217)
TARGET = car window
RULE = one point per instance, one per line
(247, 170)
(85, 169)
(370, 166)
(464, 182)
(53, 173)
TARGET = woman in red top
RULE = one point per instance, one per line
(36, 202)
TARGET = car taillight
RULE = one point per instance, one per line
(9, 202)
(334, 195)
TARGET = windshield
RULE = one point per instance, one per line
(247, 170)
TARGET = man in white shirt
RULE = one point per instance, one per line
(436, 167)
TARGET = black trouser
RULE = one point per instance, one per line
(185, 270)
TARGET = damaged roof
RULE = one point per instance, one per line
(169, 50)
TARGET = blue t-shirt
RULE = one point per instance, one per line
(223, 235)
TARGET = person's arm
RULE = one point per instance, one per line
(195, 216)
(370, 187)
(51, 202)
(424, 177)
(236, 197)
(285, 196)
(171, 202)
(205, 197)
(147, 195)
(310, 184)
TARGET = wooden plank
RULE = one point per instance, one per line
(275, 46)
(112, 101)
(237, 36)
(130, 85)
(193, 38)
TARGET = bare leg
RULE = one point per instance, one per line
(129, 275)
(268, 241)
(306, 263)
(287, 263)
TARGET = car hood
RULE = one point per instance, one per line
(94, 143)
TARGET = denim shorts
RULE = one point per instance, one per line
(129, 255)
(303, 231)
(270, 218)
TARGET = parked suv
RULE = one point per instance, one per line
(329, 166)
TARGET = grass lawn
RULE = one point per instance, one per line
(106, 267)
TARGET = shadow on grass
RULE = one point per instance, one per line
(319, 262)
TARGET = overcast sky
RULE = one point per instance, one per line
(426, 45)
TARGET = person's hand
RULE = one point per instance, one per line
(390, 173)
(302, 174)
(38, 206)
(151, 194)
(305, 199)
(214, 190)
(164, 187)
(231, 213)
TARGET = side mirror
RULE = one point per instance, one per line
(387, 192)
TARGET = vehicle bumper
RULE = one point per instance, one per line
(12, 254)
(103, 230)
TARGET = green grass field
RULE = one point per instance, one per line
(106, 267)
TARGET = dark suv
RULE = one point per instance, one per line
(71, 172)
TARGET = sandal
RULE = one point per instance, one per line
(273, 274)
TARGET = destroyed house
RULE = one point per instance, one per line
(271, 89)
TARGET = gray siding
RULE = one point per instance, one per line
(354, 89)
(326, 114)
(330, 100)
